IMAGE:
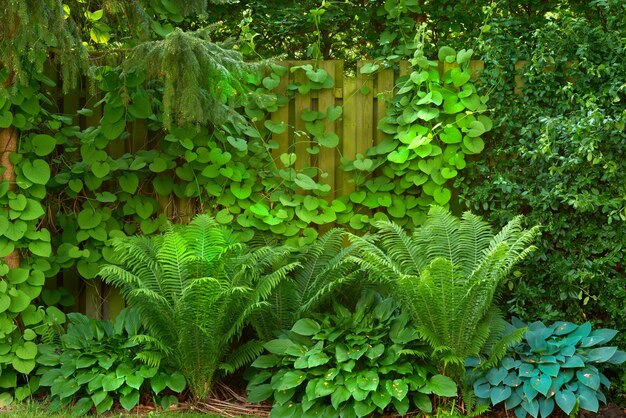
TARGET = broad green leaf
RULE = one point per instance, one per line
(291, 379)
(130, 400)
(37, 171)
(442, 386)
(43, 144)
(176, 382)
(306, 327)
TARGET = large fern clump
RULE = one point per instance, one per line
(195, 287)
(447, 273)
(323, 268)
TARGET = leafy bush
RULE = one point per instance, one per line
(447, 274)
(553, 366)
(100, 362)
(195, 287)
(347, 364)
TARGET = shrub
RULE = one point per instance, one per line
(99, 362)
(195, 287)
(347, 364)
(553, 366)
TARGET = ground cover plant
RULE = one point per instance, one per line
(553, 367)
(96, 363)
(348, 364)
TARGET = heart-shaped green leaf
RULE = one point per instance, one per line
(442, 196)
(43, 144)
(37, 171)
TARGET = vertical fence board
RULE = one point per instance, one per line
(301, 138)
(365, 111)
(326, 157)
(349, 146)
(384, 93)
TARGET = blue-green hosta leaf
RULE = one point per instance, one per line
(546, 406)
(566, 400)
(587, 399)
(583, 330)
(512, 379)
(574, 361)
(589, 378)
(513, 401)
(531, 406)
(604, 333)
(562, 328)
(510, 363)
(496, 376)
(483, 390)
(618, 358)
(536, 341)
(499, 394)
(602, 354)
(529, 391)
(550, 369)
(528, 370)
(542, 383)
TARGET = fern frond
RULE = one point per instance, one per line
(242, 356)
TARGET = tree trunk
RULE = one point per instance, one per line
(8, 145)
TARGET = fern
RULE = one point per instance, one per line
(446, 273)
(195, 288)
(321, 269)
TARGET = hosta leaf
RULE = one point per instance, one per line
(130, 400)
(499, 394)
(566, 400)
(291, 379)
(176, 382)
(306, 327)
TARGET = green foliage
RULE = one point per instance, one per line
(553, 366)
(195, 287)
(347, 364)
(197, 75)
(447, 274)
(322, 269)
(36, 26)
(434, 122)
(99, 362)
(557, 151)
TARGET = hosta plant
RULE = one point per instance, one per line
(553, 367)
(348, 364)
(447, 274)
(195, 287)
(98, 363)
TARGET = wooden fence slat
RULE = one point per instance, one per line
(349, 143)
(384, 93)
(301, 137)
(365, 111)
(327, 156)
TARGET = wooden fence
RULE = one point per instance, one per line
(363, 98)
